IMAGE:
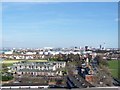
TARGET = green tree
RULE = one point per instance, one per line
(101, 61)
(4, 68)
(7, 78)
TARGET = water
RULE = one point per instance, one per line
(2, 51)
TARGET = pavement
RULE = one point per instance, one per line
(100, 88)
(77, 80)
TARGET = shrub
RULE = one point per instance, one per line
(7, 78)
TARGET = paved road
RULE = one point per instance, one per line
(116, 82)
(77, 80)
(116, 88)
(76, 83)
(70, 84)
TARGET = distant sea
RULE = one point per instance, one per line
(2, 51)
(1, 59)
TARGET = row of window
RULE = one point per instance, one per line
(33, 67)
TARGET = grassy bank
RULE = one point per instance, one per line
(10, 62)
(113, 66)
(14, 61)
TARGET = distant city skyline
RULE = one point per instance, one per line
(35, 25)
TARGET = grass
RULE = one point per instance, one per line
(37, 60)
(11, 61)
(14, 61)
(113, 66)
(8, 64)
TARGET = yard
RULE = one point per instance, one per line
(37, 60)
(14, 61)
(113, 66)
(10, 62)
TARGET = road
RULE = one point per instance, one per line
(116, 82)
(100, 88)
(77, 79)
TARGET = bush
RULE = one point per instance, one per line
(7, 78)
(53, 59)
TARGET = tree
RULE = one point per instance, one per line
(4, 68)
(100, 60)
(7, 78)
(78, 60)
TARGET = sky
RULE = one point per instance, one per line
(59, 24)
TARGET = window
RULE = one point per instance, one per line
(15, 68)
(32, 66)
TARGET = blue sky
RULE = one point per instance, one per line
(59, 24)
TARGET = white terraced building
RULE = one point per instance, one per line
(38, 68)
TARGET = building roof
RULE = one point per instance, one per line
(39, 63)
(35, 70)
